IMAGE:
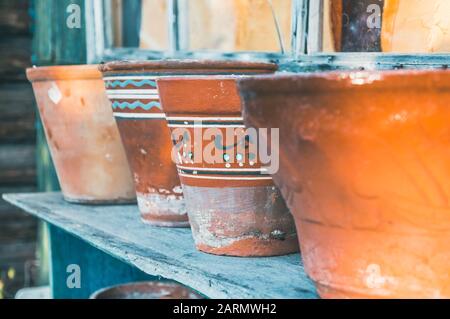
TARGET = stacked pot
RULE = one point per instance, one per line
(363, 163)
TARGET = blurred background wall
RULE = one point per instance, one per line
(18, 232)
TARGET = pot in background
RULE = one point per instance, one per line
(233, 206)
(147, 290)
(364, 167)
(131, 87)
(82, 135)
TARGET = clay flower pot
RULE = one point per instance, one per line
(364, 167)
(147, 290)
(82, 135)
(131, 87)
(234, 207)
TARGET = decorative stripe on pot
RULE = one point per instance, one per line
(135, 105)
(149, 116)
(205, 122)
(124, 82)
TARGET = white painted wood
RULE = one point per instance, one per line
(170, 252)
(95, 30)
(315, 26)
(299, 27)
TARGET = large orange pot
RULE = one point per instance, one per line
(365, 169)
(82, 135)
(233, 206)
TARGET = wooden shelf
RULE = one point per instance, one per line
(170, 252)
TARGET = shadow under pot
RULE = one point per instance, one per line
(370, 184)
(147, 290)
(131, 87)
(82, 135)
(234, 207)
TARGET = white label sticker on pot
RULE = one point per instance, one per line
(54, 93)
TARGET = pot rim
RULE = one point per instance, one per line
(63, 72)
(204, 77)
(151, 284)
(186, 65)
(324, 82)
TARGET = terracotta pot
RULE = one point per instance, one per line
(234, 207)
(364, 167)
(82, 135)
(147, 290)
(132, 90)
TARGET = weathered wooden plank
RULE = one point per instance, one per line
(170, 253)
(16, 100)
(14, 17)
(15, 57)
(16, 253)
(22, 130)
(17, 113)
(18, 232)
(16, 227)
(17, 164)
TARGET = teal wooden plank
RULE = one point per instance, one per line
(131, 26)
(54, 41)
(79, 270)
(170, 252)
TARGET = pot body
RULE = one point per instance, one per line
(82, 135)
(364, 167)
(147, 290)
(146, 137)
(233, 206)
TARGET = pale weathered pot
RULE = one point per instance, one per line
(132, 90)
(234, 207)
(147, 290)
(82, 135)
(365, 169)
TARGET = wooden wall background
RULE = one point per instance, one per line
(18, 231)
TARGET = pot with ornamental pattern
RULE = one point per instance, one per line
(131, 87)
(234, 207)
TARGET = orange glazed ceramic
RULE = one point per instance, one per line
(365, 169)
(233, 206)
(82, 135)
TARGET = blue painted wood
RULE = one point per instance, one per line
(131, 25)
(97, 269)
(170, 252)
